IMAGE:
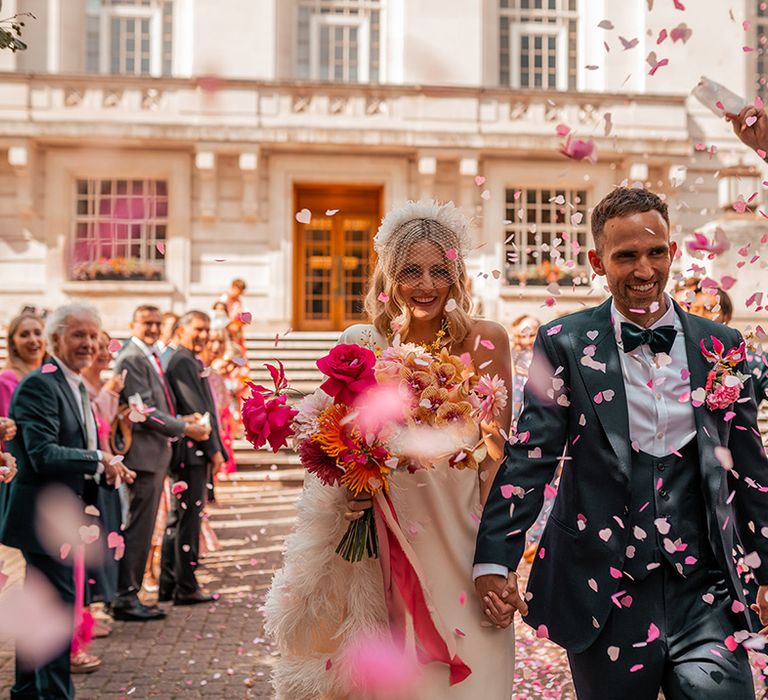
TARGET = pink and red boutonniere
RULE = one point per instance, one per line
(724, 382)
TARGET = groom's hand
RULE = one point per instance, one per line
(500, 598)
(760, 607)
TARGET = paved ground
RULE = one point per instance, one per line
(218, 651)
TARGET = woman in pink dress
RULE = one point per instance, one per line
(26, 350)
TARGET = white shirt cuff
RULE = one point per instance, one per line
(479, 570)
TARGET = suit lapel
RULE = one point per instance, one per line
(67, 391)
(611, 408)
(708, 435)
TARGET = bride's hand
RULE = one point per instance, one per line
(356, 505)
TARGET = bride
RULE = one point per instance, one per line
(320, 605)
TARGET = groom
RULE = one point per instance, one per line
(634, 574)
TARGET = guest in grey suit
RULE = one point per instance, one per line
(150, 452)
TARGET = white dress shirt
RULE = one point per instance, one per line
(74, 380)
(658, 389)
(148, 350)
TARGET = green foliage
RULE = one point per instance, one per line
(10, 31)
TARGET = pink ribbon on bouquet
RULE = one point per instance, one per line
(406, 575)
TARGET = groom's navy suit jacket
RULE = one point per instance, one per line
(587, 532)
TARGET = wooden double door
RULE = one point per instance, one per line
(333, 254)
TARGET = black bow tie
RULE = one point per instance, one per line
(657, 339)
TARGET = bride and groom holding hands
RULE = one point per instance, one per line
(654, 413)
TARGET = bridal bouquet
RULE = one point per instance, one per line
(407, 410)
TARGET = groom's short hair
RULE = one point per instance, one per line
(624, 201)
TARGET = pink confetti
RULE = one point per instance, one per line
(179, 487)
(737, 607)
(462, 597)
(114, 345)
(507, 490)
(487, 344)
(452, 254)
(160, 247)
(383, 298)
(730, 643)
(555, 329)
(48, 367)
(375, 666)
(663, 62)
(245, 317)
(653, 633)
(479, 180)
(542, 632)
(579, 149)
(636, 668)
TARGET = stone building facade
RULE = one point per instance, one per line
(151, 150)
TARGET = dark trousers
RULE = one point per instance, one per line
(688, 660)
(52, 680)
(181, 541)
(144, 498)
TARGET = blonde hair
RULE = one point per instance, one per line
(14, 360)
(393, 315)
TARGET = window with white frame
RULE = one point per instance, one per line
(761, 49)
(546, 236)
(339, 40)
(130, 37)
(120, 229)
(538, 44)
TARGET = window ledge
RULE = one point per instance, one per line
(108, 287)
(531, 292)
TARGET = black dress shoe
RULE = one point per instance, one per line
(195, 598)
(165, 595)
(136, 612)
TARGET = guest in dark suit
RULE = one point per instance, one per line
(56, 445)
(195, 464)
(635, 575)
(149, 454)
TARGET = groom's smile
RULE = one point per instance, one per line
(634, 254)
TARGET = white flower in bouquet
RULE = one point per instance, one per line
(309, 410)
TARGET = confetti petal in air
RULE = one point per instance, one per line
(629, 43)
(35, 617)
(579, 149)
(376, 667)
(304, 216)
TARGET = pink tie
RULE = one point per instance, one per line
(165, 386)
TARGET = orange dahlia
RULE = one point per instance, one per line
(364, 474)
(335, 435)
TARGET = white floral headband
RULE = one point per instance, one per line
(446, 215)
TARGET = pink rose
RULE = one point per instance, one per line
(349, 369)
(723, 396)
(267, 421)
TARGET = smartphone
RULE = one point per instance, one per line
(718, 98)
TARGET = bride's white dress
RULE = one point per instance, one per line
(319, 602)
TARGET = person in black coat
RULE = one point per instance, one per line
(55, 447)
(635, 576)
(194, 464)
